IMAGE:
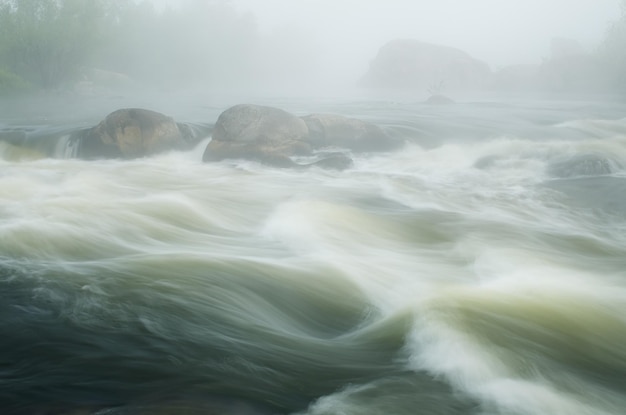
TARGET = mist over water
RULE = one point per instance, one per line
(342, 38)
(477, 269)
(311, 48)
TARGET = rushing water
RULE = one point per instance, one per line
(480, 269)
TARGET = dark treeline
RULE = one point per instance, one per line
(43, 43)
(49, 44)
(98, 44)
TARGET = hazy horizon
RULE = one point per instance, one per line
(335, 41)
(494, 31)
(319, 46)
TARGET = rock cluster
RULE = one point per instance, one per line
(273, 136)
(260, 133)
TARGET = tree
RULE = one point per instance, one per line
(199, 42)
(47, 42)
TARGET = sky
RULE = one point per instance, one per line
(499, 32)
(333, 42)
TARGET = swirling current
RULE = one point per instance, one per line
(479, 269)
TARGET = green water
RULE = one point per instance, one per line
(477, 270)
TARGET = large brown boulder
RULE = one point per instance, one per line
(408, 64)
(264, 134)
(130, 133)
(273, 136)
(337, 131)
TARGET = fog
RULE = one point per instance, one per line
(330, 44)
(498, 32)
(322, 46)
(347, 34)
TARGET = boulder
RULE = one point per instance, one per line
(337, 131)
(264, 134)
(408, 64)
(273, 136)
(582, 165)
(130, 133)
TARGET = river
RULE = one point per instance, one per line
(480, 269)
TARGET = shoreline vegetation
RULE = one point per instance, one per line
(94, 47)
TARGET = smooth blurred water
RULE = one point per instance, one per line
(480, 269)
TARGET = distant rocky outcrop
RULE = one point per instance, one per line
(273, 136)
(414, 65)
(409, 65)
(131, 133)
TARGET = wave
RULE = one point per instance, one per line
(467, 274)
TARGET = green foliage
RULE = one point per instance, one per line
(47, 42)
(200, 41)
(52, 43)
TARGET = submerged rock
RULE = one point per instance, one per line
(332, 160)
(337, 161)
(439, 99)
(253, 132)
(12, 152)
(582, 165)
(14, 137)
(130, 133)
(14, 146)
